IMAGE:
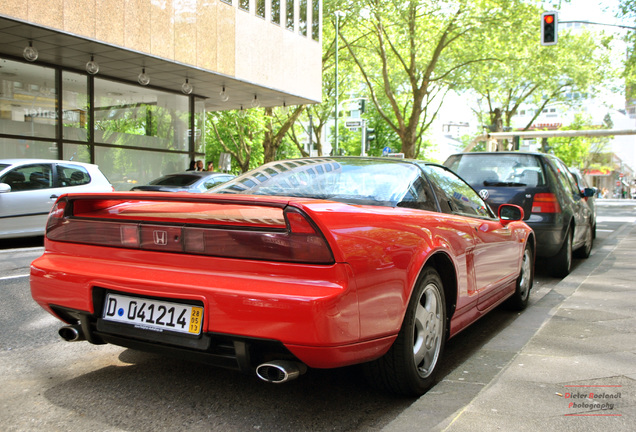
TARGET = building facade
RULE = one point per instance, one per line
(126, 84)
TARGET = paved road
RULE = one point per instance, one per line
(48, 384)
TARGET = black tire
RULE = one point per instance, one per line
(563, 259)
(409, 367)
(519, 299)
(585, 250)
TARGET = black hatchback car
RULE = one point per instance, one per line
(189, 181)
(542, 185)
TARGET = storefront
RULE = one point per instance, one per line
(129, 89)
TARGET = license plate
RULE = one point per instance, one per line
(154, 315)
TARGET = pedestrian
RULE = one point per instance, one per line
(210, 166)
(199, 165)
(193, 166)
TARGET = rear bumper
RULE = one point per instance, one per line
(255, 309)
(549, 238)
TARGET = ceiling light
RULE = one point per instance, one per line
(91, 66)
(255, 103)
(242, 112)
(284, 109)
(224, 96)
(142, 78)
(186, 87)
(30, 53)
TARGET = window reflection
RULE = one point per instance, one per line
(28, 105)
(131, 116)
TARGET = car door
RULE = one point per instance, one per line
(496, 254)
(24, 209)
(577, 205)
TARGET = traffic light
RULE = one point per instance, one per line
(369, 136)
(549, 27)
(361, 105)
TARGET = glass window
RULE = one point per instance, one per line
(289, 14)
(566, 178)
(498, 170)
(276, 11)
(350, 181)
(25, 148)
(461, 198)
(77, 152)
(75, 106)
(302, 19)
(126, 168)
(72, 175)
(28, 105)
(315, 20)
(29, 177)
(244, 5)
(134, 116)
(260, 8)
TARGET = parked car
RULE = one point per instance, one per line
(589, 195)
(30, 187)
(541, 184)
(189, 181)
(317, 262)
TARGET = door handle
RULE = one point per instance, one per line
(54, 196)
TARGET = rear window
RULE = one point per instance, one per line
(498, 169)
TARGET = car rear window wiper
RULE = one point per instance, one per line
(500, 183)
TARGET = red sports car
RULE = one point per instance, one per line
(318, 262)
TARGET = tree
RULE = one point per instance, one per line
(235, 133)
(628, 11)
(580, 152)
(410, 53)
(276, 127)
(527, 73)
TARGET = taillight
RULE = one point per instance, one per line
(545, 203)
(240, 235)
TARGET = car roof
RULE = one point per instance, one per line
(30, 161)
(195, 173)
(501, 153)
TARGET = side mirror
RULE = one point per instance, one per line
(510, 213)
(4, 188)
(589, 192)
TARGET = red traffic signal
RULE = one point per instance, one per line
(549, 23)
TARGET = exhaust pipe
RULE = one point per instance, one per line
(71, 333)
(280, 371)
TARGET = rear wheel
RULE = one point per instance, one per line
(563, 259)
(410, 366)
(519, 299)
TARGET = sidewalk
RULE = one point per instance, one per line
(585, 343)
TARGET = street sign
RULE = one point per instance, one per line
(353, 124)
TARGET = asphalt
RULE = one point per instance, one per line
(566, 363)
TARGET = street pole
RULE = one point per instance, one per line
(363, 151)
(335, 145)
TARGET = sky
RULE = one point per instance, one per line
(603, 11)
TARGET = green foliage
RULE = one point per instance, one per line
(579, 152)
(628, 11)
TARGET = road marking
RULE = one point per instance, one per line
(14, 277)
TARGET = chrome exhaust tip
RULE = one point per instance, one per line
(280, 371)
(71, 333)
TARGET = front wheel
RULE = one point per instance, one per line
(410, 365)
(519, 299)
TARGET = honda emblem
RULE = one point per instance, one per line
(160, 237)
